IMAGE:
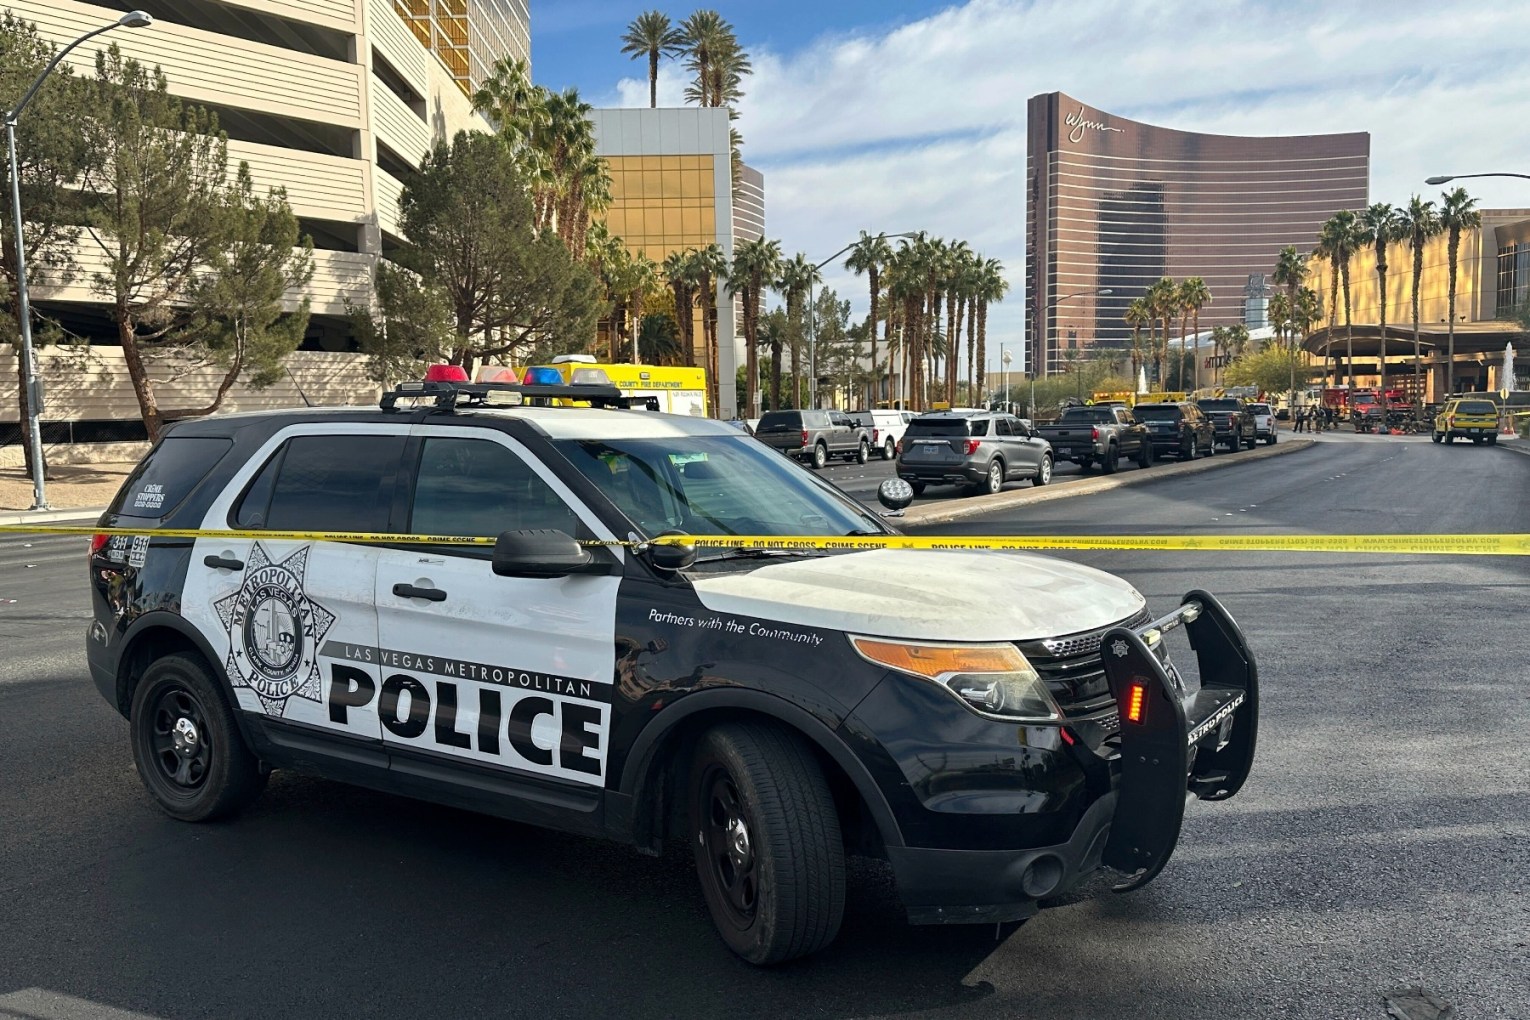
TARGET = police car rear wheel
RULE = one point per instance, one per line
(186, 746)
(767, 842)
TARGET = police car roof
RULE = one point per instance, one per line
(554, 422)
(603, 423)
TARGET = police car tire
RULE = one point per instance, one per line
(794, 836)
(230, 777)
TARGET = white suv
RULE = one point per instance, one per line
(886, 427)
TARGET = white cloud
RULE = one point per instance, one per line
(922, 126)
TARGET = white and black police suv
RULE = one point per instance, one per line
(1003, 728)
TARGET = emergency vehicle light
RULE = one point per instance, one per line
(445, 373)
(542, 376)
(1136, 696)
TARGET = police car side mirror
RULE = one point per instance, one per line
(544, 552)
(895, 494)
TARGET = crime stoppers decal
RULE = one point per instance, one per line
(274, 631)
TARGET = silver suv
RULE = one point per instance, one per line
(979, 450)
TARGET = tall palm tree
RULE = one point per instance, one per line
(642, 281)
(1418, 223)
(1458, 213)
(1280, 316)
(1290, 273)
(953, 265)
(1379, 228)
(680, 274)
(1338, 238)
(1193, 296)
(755, 264)
(798, 276)
(710, 266)
(1306, 312)
(869, 255)
(706, 39)
(515, 105)
(989, 288)
(652, 35)
(1163, 300)
(1136, 316)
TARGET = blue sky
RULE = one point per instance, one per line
(578, 42)
(898, 116)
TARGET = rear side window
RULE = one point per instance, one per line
(168, 474)
(324, 483)
(1477, 407)
(937, 427)
(778, 421)
(1147, 412)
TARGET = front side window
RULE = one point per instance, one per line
(713, 485)
(324, 483)
(479, 487)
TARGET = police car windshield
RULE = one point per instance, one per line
(714, 485)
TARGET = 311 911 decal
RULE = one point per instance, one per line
(274, 631)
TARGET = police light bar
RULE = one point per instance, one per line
(447, 395)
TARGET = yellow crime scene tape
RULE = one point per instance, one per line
(1446, 545)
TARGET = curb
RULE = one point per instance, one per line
(973, 505)
(1518, 446)
(87, 514)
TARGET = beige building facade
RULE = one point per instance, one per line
(1492, 282)
(330, 99)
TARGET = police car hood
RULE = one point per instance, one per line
(932, 595)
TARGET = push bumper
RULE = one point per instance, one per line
(1170, 750)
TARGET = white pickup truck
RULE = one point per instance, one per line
(886, 428)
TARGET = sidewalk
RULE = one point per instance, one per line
(73, 490)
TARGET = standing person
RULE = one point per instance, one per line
(1296, 419)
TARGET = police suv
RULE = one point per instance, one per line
(299, 590)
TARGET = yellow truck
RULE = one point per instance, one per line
(679, 390)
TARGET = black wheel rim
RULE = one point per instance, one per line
(728, 838)
(178, 740)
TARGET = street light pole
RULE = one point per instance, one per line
(1456, 177)
(813, 318)
(132, 19)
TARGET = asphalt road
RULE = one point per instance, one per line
(1383, 839)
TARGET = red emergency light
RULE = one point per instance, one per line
(446, 373)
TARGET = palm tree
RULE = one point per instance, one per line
(1379, 228)
(652, 35)
(755, 264)
(1280, 315)
(1136, 316)
(1458, 212)
(1338, 238)
(1193, 296)
(710, 265)
(798, 276)
(868, 256)
(508, 97)
(1418, 223)
(679, 273)
(1163, 301)
(989, 288)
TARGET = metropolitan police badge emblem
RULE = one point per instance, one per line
(274, 631)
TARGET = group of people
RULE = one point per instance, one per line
(1318, 418)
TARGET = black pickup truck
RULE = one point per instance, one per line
(1233, 421)
(1103, 435)
(814, 436)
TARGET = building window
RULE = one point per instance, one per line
(1513, 279)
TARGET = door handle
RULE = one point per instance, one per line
(223, 562)
(409, 591)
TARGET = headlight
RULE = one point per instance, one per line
(991, 679)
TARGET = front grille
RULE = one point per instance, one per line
(1073, 671)
(1070, 645)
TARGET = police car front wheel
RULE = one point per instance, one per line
(186, 744)
(767, 842)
